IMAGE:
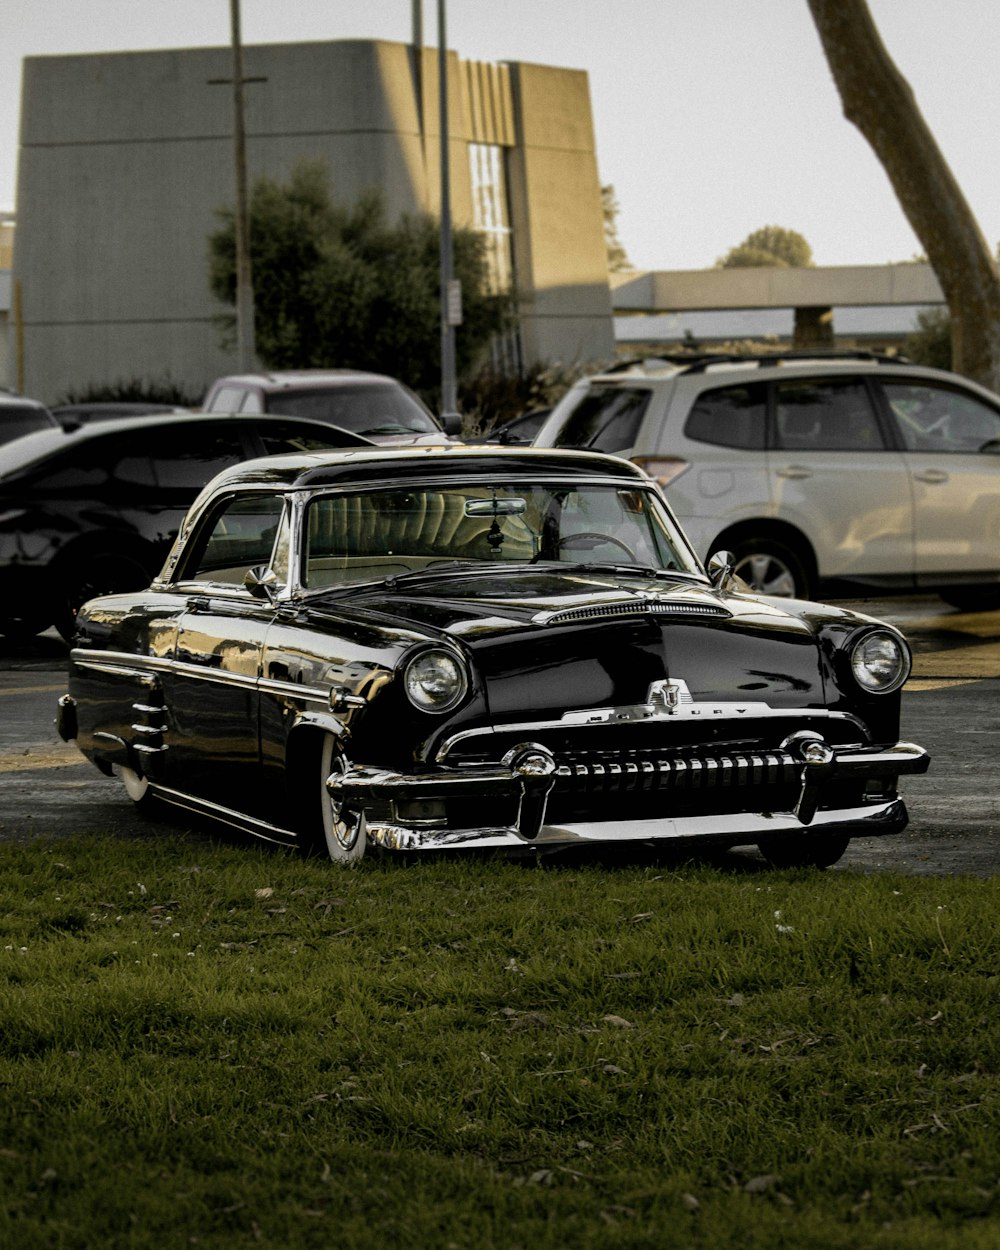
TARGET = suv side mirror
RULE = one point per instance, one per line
(452, 423)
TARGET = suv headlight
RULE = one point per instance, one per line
(880, 662)
(435, 680)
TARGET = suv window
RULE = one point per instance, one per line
(733, 416)
(379, 408)
(606, 419)
(933, 418)
(834, 415)
(227, 399)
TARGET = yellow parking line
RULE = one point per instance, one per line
(982, 660)
(917, 685)
(31, 689)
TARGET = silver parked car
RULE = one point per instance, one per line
(822, 474)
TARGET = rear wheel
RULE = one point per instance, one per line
(805, 851)
(770, 567)
(137, 789)
(99, 573)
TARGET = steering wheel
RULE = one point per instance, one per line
(594, 539)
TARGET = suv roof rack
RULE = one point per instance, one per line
(699, 362)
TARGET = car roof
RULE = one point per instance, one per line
(20, 402)
(337, 468)
(304, 379)
(768, 365)
(32, 448)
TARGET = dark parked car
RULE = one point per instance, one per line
(23, 416)
(378, 407)
(72, 415)
(509, 649)
(97, 508)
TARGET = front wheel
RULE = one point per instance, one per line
(769, 567)
(819, 851)
(342, 836)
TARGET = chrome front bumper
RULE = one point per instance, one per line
(529, 772)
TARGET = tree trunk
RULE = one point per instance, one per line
(880, 102)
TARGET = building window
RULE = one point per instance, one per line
(491, 218)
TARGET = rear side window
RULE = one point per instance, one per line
(606, 419)
(188, 456)
(732, 416)
(934, 418)
(825, 415)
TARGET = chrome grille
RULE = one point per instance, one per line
(644, 772)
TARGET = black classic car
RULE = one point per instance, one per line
(508, 648)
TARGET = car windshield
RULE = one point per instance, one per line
(381, 534)
(376, 408)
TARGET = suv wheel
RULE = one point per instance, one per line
(770, 568)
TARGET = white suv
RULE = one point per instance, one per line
(824, 474)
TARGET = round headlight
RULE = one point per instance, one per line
(435, 681)
(880, 662)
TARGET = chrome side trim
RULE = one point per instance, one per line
(122, 664)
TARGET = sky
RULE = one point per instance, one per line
(712, 118)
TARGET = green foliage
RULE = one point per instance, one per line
(769, 247)
(163, 391)
(618, 261)
(930, 343)
(344, 287)
(492, 396)
(224, 1046)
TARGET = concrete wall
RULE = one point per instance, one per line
(126, 157)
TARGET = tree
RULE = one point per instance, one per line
(618, 261)
(342, 287)
(880, 102)
(769, 247)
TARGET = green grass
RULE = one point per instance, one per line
(206, 1044)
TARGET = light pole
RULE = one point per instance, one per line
(245, 337)
(451, 301)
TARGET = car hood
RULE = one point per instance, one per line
(551, 640)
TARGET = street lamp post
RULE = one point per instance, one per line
(245, 337)
(450, 294)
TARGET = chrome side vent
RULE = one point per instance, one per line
(632, 607)
(149, 726)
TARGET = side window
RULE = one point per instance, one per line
(825, 415)
(186, 457)
(241, 536)
(252, 402)
(934, 418)
(606, 419)
(733, 416)
(227, 399)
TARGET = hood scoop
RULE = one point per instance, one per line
(635, 605)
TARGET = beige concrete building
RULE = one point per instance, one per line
(126, 157)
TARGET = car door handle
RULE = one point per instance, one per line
(931, 475)
(794, 471)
